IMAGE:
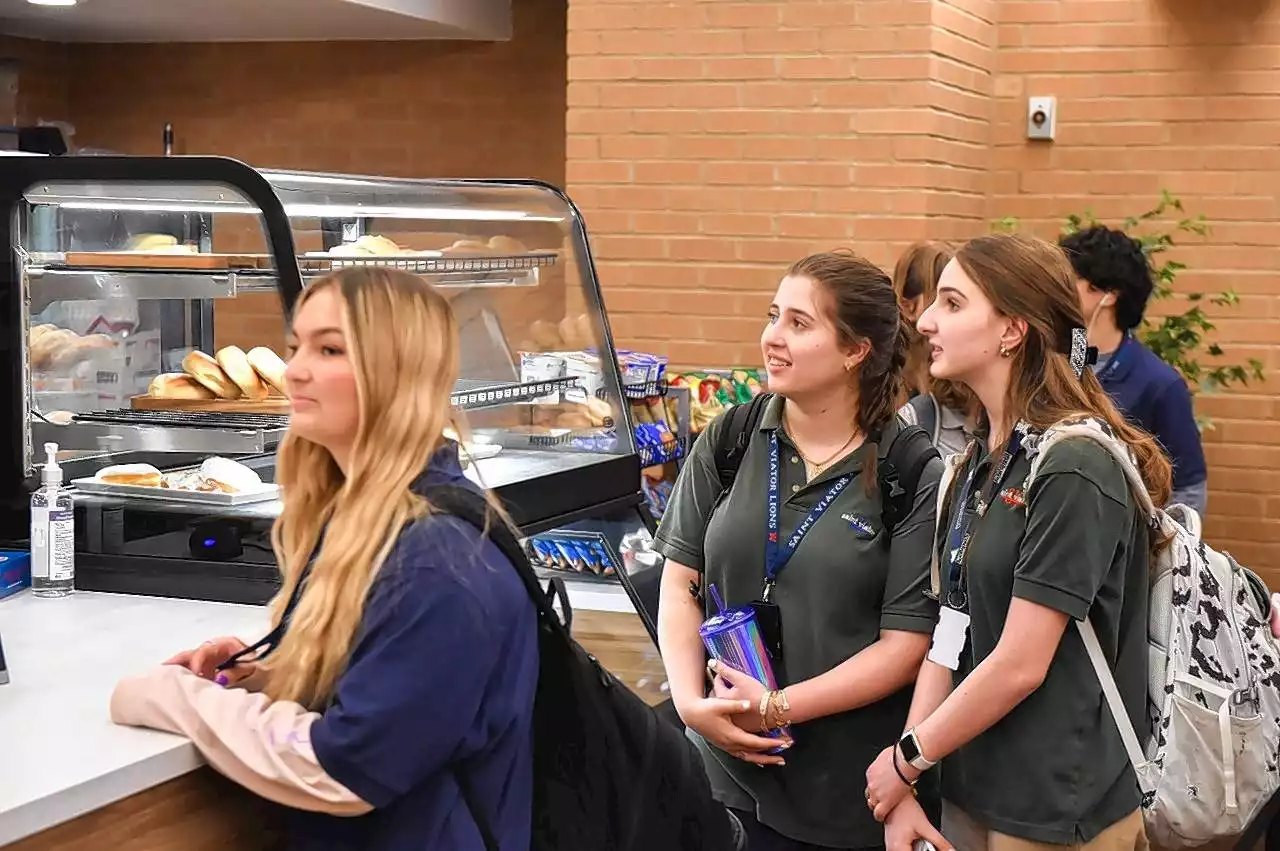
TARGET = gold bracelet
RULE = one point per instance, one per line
(779, 709)
(764, 711)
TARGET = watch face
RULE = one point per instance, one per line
(910, 752)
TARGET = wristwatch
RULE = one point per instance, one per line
(910, 747)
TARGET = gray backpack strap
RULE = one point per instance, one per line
(923, 410)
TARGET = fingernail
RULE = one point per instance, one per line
(221, 679)
(711, 663)
(746, 704)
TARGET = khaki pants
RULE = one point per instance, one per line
(965, 834)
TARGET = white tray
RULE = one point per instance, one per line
(93, 485)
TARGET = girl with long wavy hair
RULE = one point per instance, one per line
(404, 649)
(942, 408)
(1007, 699)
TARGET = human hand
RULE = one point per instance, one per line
(732, 684)
(204, 660)
(713, 719)
(908, 823)
(885, 789)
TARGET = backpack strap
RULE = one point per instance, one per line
(466, 504)
(735, 437)
(1099, 432)
(923, 410)
(898, 474)
(950, 466)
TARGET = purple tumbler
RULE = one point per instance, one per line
(732, 636)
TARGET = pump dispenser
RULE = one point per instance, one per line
(53, 536)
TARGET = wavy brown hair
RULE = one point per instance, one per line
(403, 343)
(859, 300)
(915, 281)
(1032, 280)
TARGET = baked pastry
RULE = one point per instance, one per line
(229, 476)
(49, 345)
(205, 370)
(507, 245)
(236, 365)
(367, 245)
(142, 475)
(178, 385)
(599, 411)
(546, 336)
(468, 246)
(270, 368)
(71, 351)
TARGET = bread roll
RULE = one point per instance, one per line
(50, 345)
(236, 365)
(78, 349)
(230, 476)
(546, 335)
(269, 367)
(468, 246)
(178, 385)
(508, 245)
(205, 370)
(586, 329)
(599, 411)
(143, 475)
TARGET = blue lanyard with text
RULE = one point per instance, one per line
(1113, 362)
(777, 555)
(962, 528)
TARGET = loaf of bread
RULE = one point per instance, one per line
(270, 368)
(143, 475)
(371, 244)
(236, 365)
(205, 370)
(178, 385)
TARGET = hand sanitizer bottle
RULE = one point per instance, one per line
(53, 535)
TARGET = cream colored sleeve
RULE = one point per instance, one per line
(264, 746)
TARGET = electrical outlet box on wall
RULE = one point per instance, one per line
(1042, 118)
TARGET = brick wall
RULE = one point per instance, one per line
(409, 109)
(711, 142)
(1180, 95)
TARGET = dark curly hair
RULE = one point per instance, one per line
(1114, 262)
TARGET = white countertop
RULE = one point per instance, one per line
(60, 755)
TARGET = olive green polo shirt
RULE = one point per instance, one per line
(839, 590)
(1054, 769)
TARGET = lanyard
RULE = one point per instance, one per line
(962, 528)
(263, 647)
(1113, 363)
(777, 555)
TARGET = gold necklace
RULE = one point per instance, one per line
(812, 469)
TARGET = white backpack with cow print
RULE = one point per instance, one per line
(1213, 759)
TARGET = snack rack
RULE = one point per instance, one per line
(172, 549)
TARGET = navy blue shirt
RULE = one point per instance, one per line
(442, 674)
(1154, 396)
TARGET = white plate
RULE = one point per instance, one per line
(96, 486)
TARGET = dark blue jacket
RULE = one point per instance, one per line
(1152, 395)
(442, 675)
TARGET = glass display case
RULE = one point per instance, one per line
(134, 290)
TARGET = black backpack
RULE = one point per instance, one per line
(608, 773)
(897, 475)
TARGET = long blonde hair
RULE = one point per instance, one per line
(403, 344)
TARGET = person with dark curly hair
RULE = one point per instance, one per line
(1115, 283)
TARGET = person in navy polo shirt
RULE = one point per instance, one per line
(1114, 280)
(404, 653)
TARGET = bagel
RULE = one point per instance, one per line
(236, 365)
(205, 370)
(269, 367)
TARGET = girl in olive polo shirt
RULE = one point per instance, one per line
(855, 617)
(1007, 698)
